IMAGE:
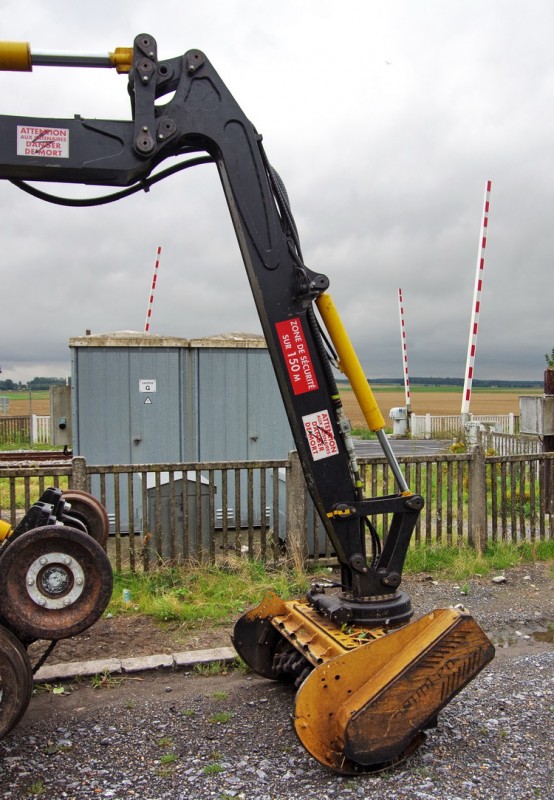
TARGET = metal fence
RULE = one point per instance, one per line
(173, 512)
(428, 426)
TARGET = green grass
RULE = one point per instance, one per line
(35, 789)
(366, 434)
(431, 388)
(23, 444)
(37, 394)
(165, 741)
(212, 769)
(202, 594)
(34, 491)
(169, 758)
(461, 563)
(221, 717)
(105, 680)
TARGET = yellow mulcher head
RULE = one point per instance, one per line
(365, 696)
(368, 708)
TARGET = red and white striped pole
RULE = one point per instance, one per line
(404, 344)
(152, 290)
(474, 326)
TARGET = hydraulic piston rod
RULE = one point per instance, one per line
(18, 57)
(350, 365)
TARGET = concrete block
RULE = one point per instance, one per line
(191, 657)
(75, 669)
(147, 662)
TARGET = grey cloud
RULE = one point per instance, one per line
(385, 166)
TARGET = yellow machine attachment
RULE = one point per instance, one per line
(366, 695)
(5, 530)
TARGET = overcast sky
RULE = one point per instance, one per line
(385, 119)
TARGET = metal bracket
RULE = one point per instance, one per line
(143, 85)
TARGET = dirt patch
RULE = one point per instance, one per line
(129, 636)
(511, 613)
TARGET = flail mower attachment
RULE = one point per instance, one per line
(365, 695)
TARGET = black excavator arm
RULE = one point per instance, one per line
(369, 683)
(203, 117)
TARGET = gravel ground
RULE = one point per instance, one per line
(176, 735)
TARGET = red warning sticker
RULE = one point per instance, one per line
(42, 142)
(319, 432)
(297, 357)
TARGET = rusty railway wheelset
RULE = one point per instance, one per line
(55, 582)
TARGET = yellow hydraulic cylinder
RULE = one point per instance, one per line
(15, 57)
(351, 367)
(122, 59)
(18, 57)
(349, 363)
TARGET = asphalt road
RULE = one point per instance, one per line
(366, 448)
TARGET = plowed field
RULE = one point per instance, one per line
(436, 403)
(22, 408)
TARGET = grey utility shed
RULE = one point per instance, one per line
(145, 398)
(141, 398)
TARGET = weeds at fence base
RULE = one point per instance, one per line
(200, 593)
(463, 562)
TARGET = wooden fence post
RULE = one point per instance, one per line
(477, 517)
(79, 474)
(297, 544)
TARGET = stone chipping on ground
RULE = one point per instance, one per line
(175, 735)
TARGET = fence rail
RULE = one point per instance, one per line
(506, 444)
(173, 512)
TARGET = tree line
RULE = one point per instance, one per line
(36, 384)
(479, 383)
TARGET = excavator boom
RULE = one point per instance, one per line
(370, 681)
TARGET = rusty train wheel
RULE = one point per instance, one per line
(56, 583)
(16, 681)
(88, 510)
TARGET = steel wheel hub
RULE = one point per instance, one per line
(55, 580)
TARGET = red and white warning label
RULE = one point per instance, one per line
(319, 432)
(297, 356)
(42, 142)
